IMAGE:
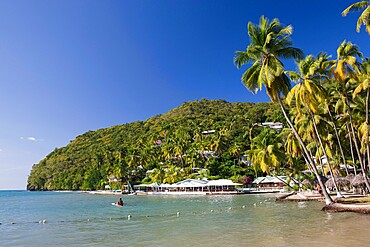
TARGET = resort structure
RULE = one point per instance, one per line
(190, 187)
(268, 184)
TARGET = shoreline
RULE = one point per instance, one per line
(350, 202)
(102, 192)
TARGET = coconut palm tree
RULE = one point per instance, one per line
(337, 94)
(346, 66)
(172, 175)
(347, 62)
(291, 144)
(309, 94)
(364, 18)
(328, 105)
(269, 42)
(267, 151)
(321, 68)
(363, 78)
(157, 175)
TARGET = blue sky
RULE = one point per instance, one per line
(67, 67)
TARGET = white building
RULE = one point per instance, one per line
(190, 187)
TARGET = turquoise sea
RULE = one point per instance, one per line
(81, 219)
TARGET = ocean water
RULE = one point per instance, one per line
(81, 219)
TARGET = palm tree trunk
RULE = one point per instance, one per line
(357, 148)
(281, 180)
(322, 168)
(351, 147)
(338, 140)
(328, 199)
(324, 152)
(305, 159)
(367, 128)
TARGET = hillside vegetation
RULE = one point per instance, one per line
(171, 146)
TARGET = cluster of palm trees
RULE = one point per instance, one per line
(171, 157)
(328, 106)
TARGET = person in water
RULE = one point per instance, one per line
(119, 202)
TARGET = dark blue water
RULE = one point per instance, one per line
(80, 219)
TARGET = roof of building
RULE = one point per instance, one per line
(269, 179)
(221, 182)
(193, 183)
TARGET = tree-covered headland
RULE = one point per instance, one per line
(205, 138)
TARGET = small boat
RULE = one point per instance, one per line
(115, 204)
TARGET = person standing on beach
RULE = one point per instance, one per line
(319, 189)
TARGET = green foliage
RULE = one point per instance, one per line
(170, 145)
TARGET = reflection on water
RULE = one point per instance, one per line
(90, 220)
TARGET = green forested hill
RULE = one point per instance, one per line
(167, 145)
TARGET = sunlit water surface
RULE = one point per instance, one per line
(80, 219)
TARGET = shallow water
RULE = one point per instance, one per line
(80, 219)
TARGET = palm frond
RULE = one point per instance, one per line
(252, 33)
(355, 7)
(241, 58)
(284, 85)
(288, 30)
(250, 78)
(294, 76)
(363, 19)
(290, 52)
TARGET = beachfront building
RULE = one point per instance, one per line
(270, 182)
(113, 183)
(273, 125)
(190, 186)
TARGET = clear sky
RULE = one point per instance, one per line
(67, 67)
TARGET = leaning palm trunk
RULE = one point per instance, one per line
(356, 146)
(324, 152)
(367, 127)
(351, 147)
(338, 140)
(322, 168)
(328, 199)
(306, 160)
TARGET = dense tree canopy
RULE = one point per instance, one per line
(169, 146)
(326, 111)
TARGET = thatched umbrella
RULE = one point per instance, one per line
(329, 183)
(339, 180)
(343, 181)
(350, 177)
(358, 180)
